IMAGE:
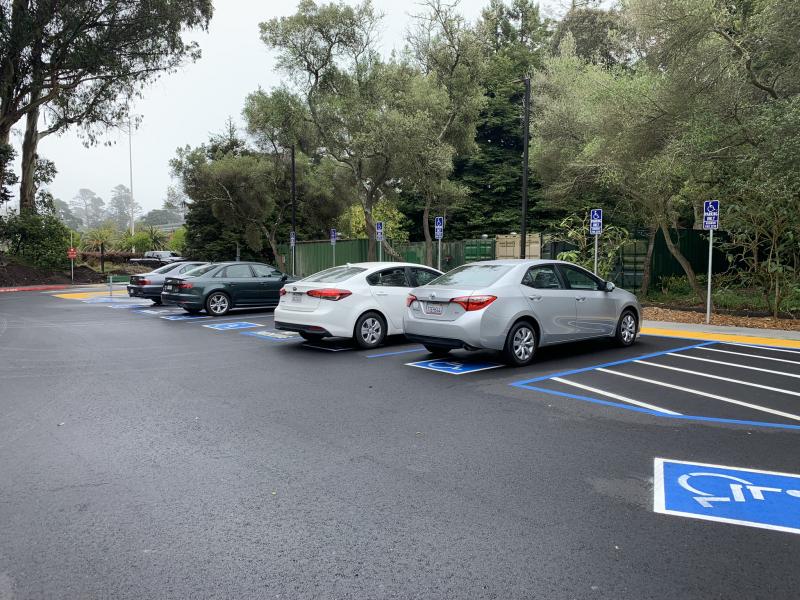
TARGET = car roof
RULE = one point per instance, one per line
(513, 262)
(385, 264)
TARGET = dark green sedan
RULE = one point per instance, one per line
(219, 287)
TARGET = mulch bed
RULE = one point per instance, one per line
(657, 313)
(14, 275)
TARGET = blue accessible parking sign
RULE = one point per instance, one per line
(454, 367)
(711, 214)
(763, 499)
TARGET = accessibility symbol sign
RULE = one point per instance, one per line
(379, 231)
(438, 226)
(596, 221)
(763, 499)
(711, 214)
(232, 326)
(454, 367)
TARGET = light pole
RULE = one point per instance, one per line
(130, 170)
(526, 120)
(294, 214)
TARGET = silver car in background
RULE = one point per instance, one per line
(516, 306)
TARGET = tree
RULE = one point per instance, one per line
(89, 208)
(122, 208)
(81, 59)
(66, 216)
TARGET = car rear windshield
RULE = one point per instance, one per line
(335, 275)
(164, 269)
(200, 271)
(472, 276)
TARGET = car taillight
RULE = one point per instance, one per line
(185, 285)
(411, 299)
(329, 294)
(283, 292)
(470, 303)
(143, 281)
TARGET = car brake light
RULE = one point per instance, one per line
(283, 291)
(470, 303)
(411, 299)
(143, 281)
(329, 294)
(185, 285)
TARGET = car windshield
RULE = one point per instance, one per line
(335, 274)
(200, 271)
(164, 269)
(472, 276)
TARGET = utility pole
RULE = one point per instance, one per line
(294, 214)
(130, 170)
(526, 120)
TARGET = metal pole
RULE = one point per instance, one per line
(130, 169)
(334, 255)
(294, 213)
(439, 259)
(595, 253)
(525, 136)
(71, 262)
(380, 251)
(708, 291)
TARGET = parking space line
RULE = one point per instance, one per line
(764, 347)
(726, 338)
(783, 360)
(737, 365)
(615, 396)
(720, 378)
(418, 349)
(704, 394)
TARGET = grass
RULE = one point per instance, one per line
(733, 299)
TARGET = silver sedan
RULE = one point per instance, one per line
(517, 306)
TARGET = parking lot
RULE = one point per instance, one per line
(189, 456)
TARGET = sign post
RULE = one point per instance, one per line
(439, 234)
(71, 254)
(595, 229)
(379, 238)
(292, 244)
(710, 223)
(333, 243)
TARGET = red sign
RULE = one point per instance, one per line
(72, 254)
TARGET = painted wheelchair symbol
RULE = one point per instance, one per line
(737, 490)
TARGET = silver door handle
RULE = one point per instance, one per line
(381, 294)
(535, 298)
(581, 299)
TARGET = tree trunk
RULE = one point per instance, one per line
(27, 186)
(426, 229)
(648, 260)
(279, 258)
(687, 268)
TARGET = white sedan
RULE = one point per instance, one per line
(363, 301)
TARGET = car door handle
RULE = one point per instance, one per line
(581, 299)
(535, 298)
(381, 294)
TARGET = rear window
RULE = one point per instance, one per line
(335, 275)
(200, 270)
(472, 276)
(164, 269)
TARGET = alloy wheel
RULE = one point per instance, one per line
(523, 344)
(628, 328)
(218, 304)
(371, 331)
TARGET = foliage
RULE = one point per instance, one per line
(575, 231)
(99, 238)
(351, 223)
(89, 208)
(127, 242)
(122, 208)
(41, 240)
(177, 242)
(156, 239)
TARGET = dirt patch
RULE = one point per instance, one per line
(13, 275)
(653, 313)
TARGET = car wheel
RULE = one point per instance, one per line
(157, 301)
(311, 337)
(520, 345)
(218, 304)
(437, 351)
(626, 329)
(370, 330)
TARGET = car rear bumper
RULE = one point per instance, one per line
(323, 322)
(152, 292)
(471, 330)
(429, 340)
(315, 329)
(183, 300)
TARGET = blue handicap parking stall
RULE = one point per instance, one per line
(183, 317)
(232, 326)
(274, 336)
(454, 367)
(751, 497)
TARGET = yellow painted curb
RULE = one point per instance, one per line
(85, 295)
(722, 337)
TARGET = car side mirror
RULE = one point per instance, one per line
(284, 277)
(609, 286)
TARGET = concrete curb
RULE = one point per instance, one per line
(738, 335)
(34, 288)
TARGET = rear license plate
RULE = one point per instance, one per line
(169, 288)
(297, 297)
(434, 308)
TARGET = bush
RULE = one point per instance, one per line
(41, 240)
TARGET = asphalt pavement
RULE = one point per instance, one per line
(147, 457)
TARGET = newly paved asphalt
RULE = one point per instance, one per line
(147, 458)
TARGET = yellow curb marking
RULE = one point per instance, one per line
(722, 337)
(85, 295)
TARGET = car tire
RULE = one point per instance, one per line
(437, 351)
(626, 329)
(157, 301)
(311, 337)
(218, 304)
(520, 348)
(370, 330)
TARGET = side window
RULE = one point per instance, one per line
(578, 279)
(266, 271)
(237, 271)
(423, 276)
(542, 277)
(395, 277)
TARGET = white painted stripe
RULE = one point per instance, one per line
(615, 396)
(784, 360)
(769, 348)
(705, 394)
(720, 378)
(737, 365)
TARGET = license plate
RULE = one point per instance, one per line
(297, 297)
(434, 308)
(168, 288)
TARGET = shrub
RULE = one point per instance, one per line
(41, 240)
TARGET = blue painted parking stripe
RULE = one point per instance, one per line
(524, 383)
(418, 349)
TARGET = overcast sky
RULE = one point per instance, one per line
(184, 107)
